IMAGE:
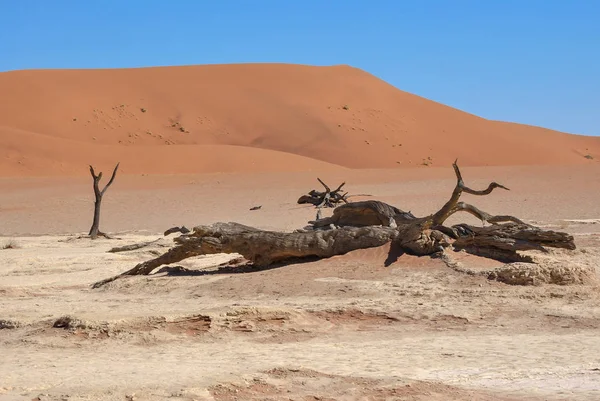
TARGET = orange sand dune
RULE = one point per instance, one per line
(256, 117)
(45, 155)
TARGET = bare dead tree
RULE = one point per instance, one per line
(98, 194)
(328, 198)
(367, 224)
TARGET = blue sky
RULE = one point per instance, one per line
(530, 61)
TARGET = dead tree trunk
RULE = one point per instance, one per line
(363, 225)
(98, 194)
(263, 248)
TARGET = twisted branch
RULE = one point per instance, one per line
(452, 207)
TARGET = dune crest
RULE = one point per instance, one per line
(257, 117)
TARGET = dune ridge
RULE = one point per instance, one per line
(250, 117)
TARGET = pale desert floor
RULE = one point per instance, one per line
(339, 329)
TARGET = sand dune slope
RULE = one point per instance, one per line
(45, 155)
(214, 118)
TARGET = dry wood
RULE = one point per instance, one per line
(132, 247)
(328, 198)
(264, 247)
(367, 224)
(503, 241)
(182, 229)
(98, 194)
(361, 214)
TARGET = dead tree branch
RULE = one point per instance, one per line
(452, 207)
(182, 229)
(328, 198)
(133, 247)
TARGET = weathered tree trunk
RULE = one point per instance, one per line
(264, 248)
(363, 225)
(98, 194)
(96, 222)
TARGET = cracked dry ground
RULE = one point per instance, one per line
(340, 329)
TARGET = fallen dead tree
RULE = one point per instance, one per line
(328, 198)
(363, 225)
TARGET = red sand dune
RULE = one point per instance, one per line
(249, 117)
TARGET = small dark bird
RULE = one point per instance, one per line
(255, 207)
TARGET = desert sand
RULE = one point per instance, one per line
(349, 327)
(250, 117)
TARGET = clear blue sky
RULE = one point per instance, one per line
(530, 61)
